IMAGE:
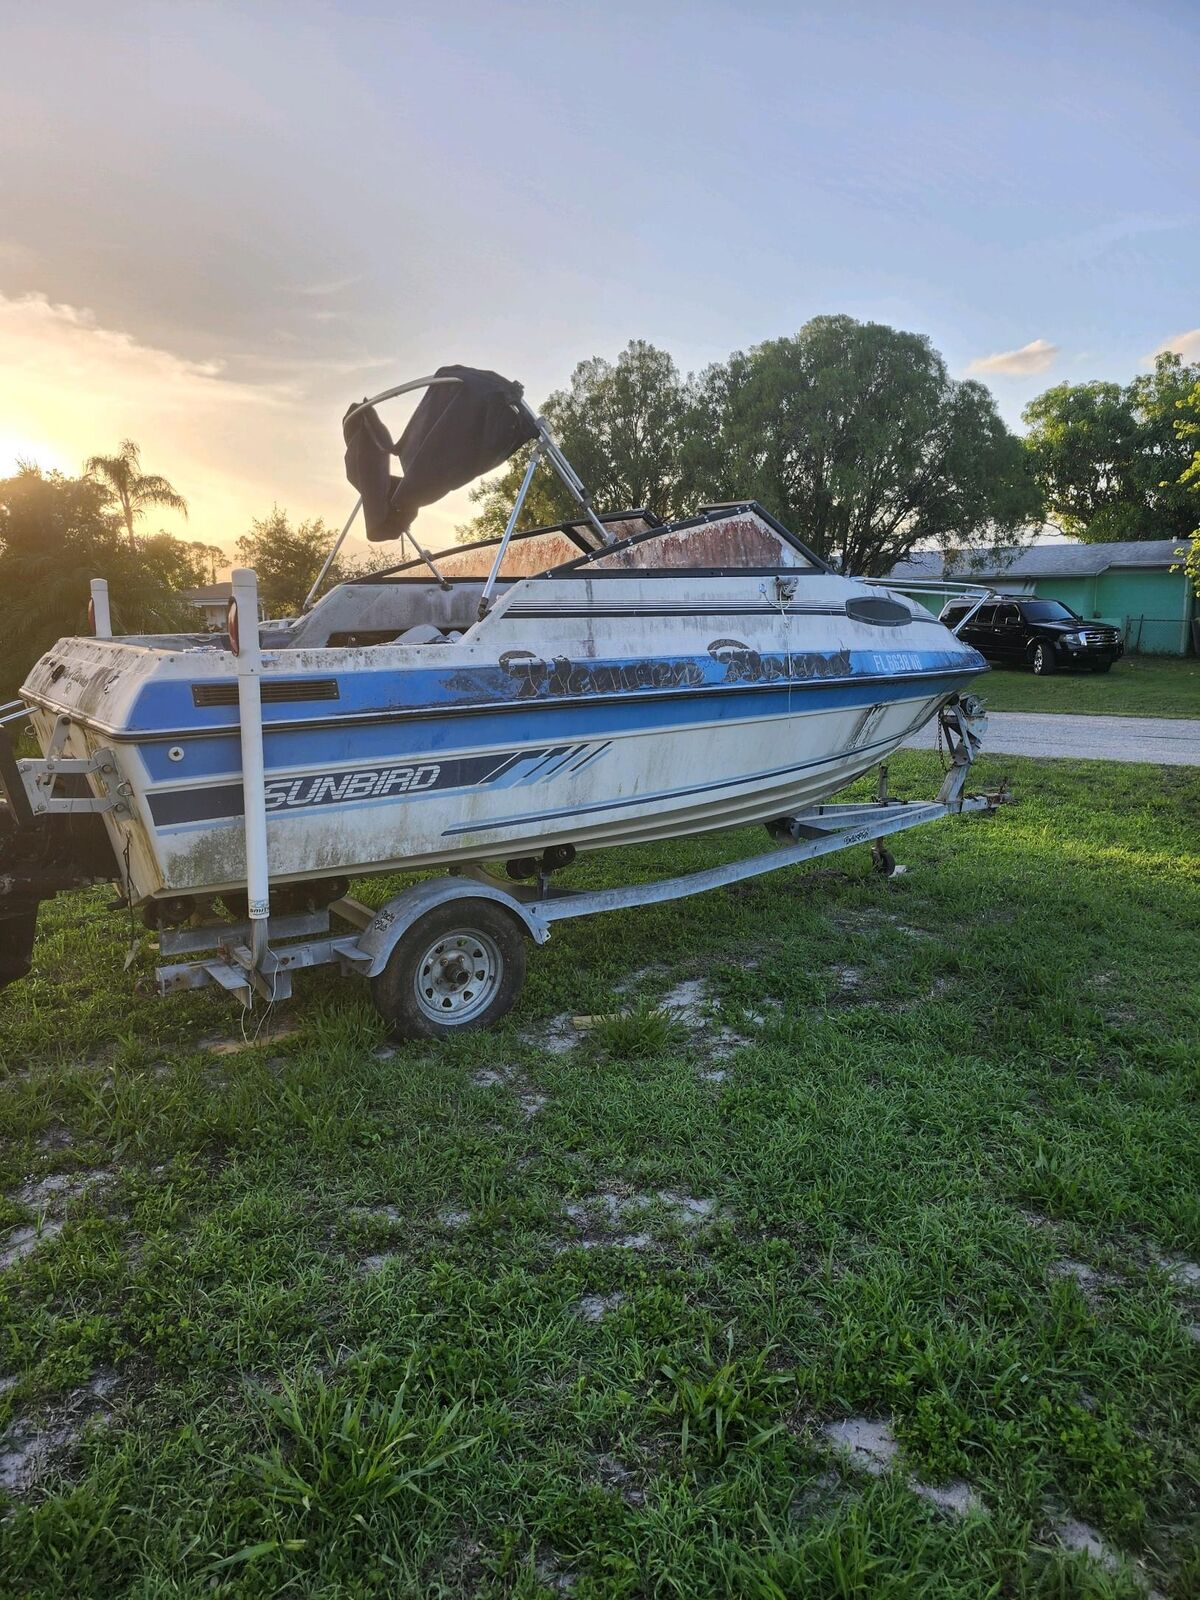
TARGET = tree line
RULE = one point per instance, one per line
(853, 434)
(58, 532)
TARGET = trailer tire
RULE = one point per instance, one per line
(459, 968)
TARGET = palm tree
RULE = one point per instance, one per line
(124, 481)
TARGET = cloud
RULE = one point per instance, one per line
(232, 446)
(1186, 345)
(1034, 357)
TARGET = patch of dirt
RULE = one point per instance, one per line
(1185, 1273)
(454, 1219)
(379, 1214)
(614, 1474)
(597, 1217)
(56, 1188)
(1037, 1219)
(22, 1242)
(27, 1450)
(1091, 1280)
(690, 1209)
(1082, 1538)
(31, 1446)
(594, 1306)
(612, 1207)
(759, 1016)
(234, 1044)
(955, 1496)
(724, 1042)
(688, 1002)
(869, 1445)
(489, 1078)
(554, 1575)
(377, 1262)
(511, 1077)
(558, 1036)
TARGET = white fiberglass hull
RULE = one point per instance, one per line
(592, 713)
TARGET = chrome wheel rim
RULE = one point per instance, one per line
(457, 976)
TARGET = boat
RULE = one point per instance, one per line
(611, 680)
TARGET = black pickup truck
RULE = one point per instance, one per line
(1042, 634)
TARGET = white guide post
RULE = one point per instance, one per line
(243, 637)
(98, 606)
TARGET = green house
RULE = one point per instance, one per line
(1129, 585)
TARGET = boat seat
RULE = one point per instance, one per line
(388, 613)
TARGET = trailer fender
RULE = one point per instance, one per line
(389, 925)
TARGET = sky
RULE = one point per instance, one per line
(220, 224)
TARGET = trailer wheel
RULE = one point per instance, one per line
(458, 968)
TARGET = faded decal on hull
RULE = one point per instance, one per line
(744, 665)
(562, 677)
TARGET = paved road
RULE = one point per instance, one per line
(1172, 740)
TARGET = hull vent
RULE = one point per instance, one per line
(273, 691)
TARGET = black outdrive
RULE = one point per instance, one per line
(1042, 634)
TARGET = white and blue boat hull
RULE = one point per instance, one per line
(593, 712)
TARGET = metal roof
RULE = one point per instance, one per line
(1068, 559)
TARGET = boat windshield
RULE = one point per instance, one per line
(721, 538)
(537, 550)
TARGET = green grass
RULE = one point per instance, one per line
(492, 1319)
(1137, 686)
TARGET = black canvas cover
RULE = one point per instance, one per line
(458, 431)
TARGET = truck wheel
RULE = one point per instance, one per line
(458, 968)
(1043, 660)
(1102, 666)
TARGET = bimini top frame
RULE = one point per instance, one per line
(546, 448)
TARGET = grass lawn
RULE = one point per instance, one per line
(877, 1281)
(1138, 686)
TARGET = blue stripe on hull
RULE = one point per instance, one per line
(167, 705)
(294, 748)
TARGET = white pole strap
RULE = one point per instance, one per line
(101, 615)
(254, 800)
